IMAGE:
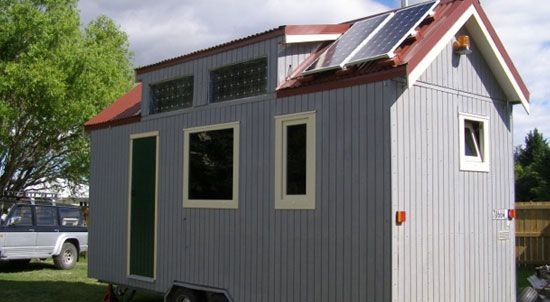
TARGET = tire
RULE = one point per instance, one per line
(183, 295)
(67, 258)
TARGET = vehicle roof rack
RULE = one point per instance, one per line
(29, 196)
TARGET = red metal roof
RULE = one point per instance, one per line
(125, 110)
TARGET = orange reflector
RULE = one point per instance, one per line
(463, 41)
(511, 214)
(400, 217)
(462, 45)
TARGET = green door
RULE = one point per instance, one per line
(142, 206)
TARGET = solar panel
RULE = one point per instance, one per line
(394, 32)
(338, 53)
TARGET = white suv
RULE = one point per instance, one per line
(42, 231)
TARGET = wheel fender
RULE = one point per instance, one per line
(201, 288)
(59, 243)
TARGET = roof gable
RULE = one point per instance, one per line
(468, 14)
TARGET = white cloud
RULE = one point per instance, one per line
(174, 28)
(523, 28)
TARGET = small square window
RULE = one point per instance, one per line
(474, 143)
(211, 166)
(295, 161)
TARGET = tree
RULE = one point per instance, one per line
(54, 75)
(531, 169)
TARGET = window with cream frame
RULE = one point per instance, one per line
(211, 166)
(474, 142)
(295, 161)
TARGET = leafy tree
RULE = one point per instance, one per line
(54, 75)
(531, 168)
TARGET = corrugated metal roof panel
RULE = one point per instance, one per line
(127, 109)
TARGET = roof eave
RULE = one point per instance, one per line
(113, 123)
(499, 61)
(126, 109)
(396, 72)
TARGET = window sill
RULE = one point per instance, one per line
(474, 167)
(211, 204)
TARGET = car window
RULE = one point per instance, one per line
(71, 217)
(45, 216)
(22, 215)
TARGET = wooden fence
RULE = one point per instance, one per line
(533, 233)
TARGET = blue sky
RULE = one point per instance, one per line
(171, 28)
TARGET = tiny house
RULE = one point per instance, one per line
(364, 161)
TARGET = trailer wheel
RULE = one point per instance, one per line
(183, 295)
(67, 258)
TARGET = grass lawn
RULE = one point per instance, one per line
(521, 276)
(41, 281)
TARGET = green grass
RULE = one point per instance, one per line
(522, 272)
(41, 281)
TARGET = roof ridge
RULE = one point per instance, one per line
(235, 43)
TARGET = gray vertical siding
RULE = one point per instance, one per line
(448, 249)
(463, 73)
(380, 147)
(337, 252)
(290, 56)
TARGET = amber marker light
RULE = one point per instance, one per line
(511, 214)
(464, 41)
(400, 217)
(462, 45)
